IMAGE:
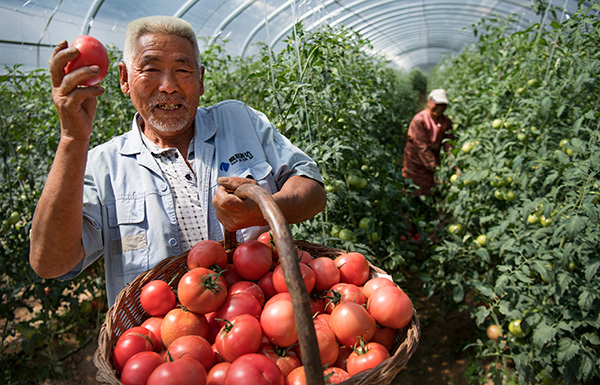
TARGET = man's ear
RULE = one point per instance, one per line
(201, 80)
(124, 78)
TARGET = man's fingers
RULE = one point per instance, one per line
(60, 57)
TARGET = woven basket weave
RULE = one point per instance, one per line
(128, 312)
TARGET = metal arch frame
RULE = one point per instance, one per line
(91, 15)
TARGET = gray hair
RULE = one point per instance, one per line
(168, 25)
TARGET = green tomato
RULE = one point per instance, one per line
(498, 195)
(13, 218)
(346, 235)
(467, 147)
(481, 240)
(563, 143)
(522, 136)
(331, 187)
(497, 123)
(514, 327)
(545, 222)
(362, 183)
(353, 180)
(454, 178)
(335, 231)
(532, 219)
(365, 223)
(455, 228)
(374, 237)
(509, 196)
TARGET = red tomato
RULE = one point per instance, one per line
(390, 307)
(153, 324)
(268, 239)
(343, 292)
(367, 357)
(248, 287)
(317, 305)
(343, 353)
(230, 275)
(335, 375)
(353, 267)
(91, 52)
(375, 283)
(207, 253)
(253, 369)
(216, 375)
(144, 332)
(308, 275)
(350, 322)
(192, 346)
(157, 298)
(328, 346)
(127, 347)
(185, 371)
(237, 304)
(252, 259)
(285, 359)
(242, 335)
(277, 321)
(304, 256)
(214, 325)
(266, 283)
(385, 336)
(181, 322)
(139, 367)
(296, 377)
(326, 272)
(202, 290)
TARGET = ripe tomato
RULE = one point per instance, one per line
(390, 307)
(127, 347)
(277, 321)
(375, 283)
(296, 377)
(91, 52)
(181, 322)
(493, 332)
(237, 304)
(252, 259)
(153, 324)
(326, 273)
(202, 290)
(385, 336)
(328, 346)
(216, 375)
(185, 371)
(343, 353)
(308, 275)
(207, 253)
(267, 239)
(304, 256)
(367, 357)
(139, 367)
(144, 332)
(335, 375)
(285, 359)
(343, 292)
(230, 275)
(157, 298)
(248, 287)
(350, 322)
(353, 267)
(266, 283)
(253, 369)
(192, 346)
(242, 335)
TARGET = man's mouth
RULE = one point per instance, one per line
(168, 107)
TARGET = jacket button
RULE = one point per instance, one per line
(173, 242)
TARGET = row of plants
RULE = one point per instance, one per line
(347, 110)
(520, 197)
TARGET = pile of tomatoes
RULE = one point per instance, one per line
(233, 323)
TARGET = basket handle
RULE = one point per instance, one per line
(288, 257)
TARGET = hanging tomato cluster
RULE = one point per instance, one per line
(233, 323)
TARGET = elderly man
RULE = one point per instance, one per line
(166, 184)
(426, 134)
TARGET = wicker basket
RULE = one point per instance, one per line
(127, 312)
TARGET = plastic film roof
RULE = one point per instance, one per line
(410, 34)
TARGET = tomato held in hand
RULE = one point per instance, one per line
(91, 52)
(157, 298)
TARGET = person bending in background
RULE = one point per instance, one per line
(160, 188)
(426, 134)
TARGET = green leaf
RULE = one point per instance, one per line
(591, 268)
(543, 334)
(567, 349)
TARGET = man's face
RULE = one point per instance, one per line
(164, 83)
(436, 110)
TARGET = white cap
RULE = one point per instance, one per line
(438, 96)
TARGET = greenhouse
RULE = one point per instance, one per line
(374, 192)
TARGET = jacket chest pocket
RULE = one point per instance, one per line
(128, 230)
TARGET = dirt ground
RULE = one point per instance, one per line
(438, 360)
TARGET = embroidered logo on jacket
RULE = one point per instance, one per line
(240, 157)
(224, 166)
